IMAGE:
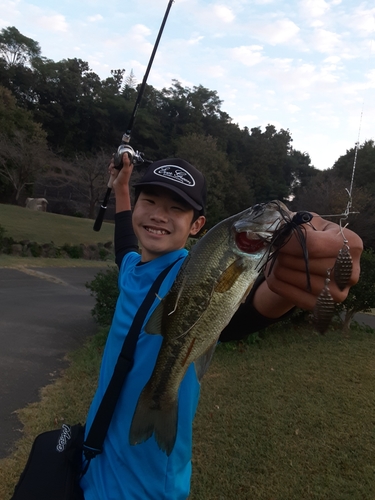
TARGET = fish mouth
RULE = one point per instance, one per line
(249, 242)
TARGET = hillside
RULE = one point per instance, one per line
(43, 227)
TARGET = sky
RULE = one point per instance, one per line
(303, 65)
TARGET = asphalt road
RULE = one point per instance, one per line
(44, 313)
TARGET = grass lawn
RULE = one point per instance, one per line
(14, 261)
(289, 417)
(43, 227)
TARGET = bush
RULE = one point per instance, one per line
(35, 249)
(361, 297)
(2, 232)
(74, 251)
(104, 288)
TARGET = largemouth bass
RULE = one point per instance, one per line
(215, 278)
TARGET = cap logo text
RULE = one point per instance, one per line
(176, 174)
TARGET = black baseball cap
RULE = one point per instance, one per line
(180, 177)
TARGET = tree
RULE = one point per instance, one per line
(21, 159)
(130, 81)
(82, 181)
(327, 194)
(364, 174)
(228, 193)
(361, 297)
(268, 162)
(23, 147)
(17, 49)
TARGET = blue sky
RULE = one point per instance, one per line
(303, 65)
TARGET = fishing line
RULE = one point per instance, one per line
(344, 215)
(342, 268)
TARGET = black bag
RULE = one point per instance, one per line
(54, 466)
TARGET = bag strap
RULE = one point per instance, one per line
(99, 427)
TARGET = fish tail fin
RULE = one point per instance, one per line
(158, 418)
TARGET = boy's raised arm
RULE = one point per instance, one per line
(125, 239)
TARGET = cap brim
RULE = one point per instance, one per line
(175, 189)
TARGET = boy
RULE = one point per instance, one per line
(169, 207)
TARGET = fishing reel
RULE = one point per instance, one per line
(136, 157)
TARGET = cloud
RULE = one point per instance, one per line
(292, 108)
(363, 21)
(97, 17)
(224, 13)
(195, 40)
(135, 37)
(314, 8)
(216, 71)
(248, 55)
(278, 32)
(9, 10)
(325, 41)
(53, 22)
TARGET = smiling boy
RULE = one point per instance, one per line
(169, 207)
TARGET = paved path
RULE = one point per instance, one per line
(367, 319)
(44, 313)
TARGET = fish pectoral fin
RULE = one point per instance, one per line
(153, 325)
(229, 277)
(203, 362)
(178, 297)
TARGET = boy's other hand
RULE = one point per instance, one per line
(286, 285)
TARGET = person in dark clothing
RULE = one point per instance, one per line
(169, 207)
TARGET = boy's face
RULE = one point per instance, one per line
(162, 222)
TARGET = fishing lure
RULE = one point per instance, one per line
(284, 233)
(342, 270)
(325, 307)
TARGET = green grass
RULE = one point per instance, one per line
(43, 227)
(290, 417)
(14, 261)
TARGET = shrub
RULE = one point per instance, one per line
(74, 251)
(104, 288)
(2, 232)
(361, 297)
(35, 249)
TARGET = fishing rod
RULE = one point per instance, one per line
(136, 157)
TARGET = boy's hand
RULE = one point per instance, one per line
(121, 178)
(286, 286)
(120, 182)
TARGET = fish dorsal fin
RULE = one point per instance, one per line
(229, 277)
(153, 325)
(203, 362)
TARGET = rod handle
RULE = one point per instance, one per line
(103, 207)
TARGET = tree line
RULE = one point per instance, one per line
(60, 123)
